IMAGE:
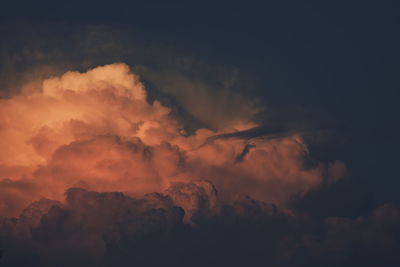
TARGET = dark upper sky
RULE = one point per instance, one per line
(335, 61)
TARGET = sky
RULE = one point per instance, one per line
(199, 133)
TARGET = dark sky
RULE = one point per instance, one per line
(330, 65)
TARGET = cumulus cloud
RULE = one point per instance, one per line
(98, 130)
(94, 171)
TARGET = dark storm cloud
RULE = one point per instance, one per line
(112, 229)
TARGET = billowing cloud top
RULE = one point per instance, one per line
(97, 130)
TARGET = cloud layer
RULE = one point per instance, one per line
(113, 229)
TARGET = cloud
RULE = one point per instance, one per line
(214, 102)
(15, 196)
(111, 228)
(94, 171)
(169, 162)
(98, 130)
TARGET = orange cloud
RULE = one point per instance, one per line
(97, 130)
